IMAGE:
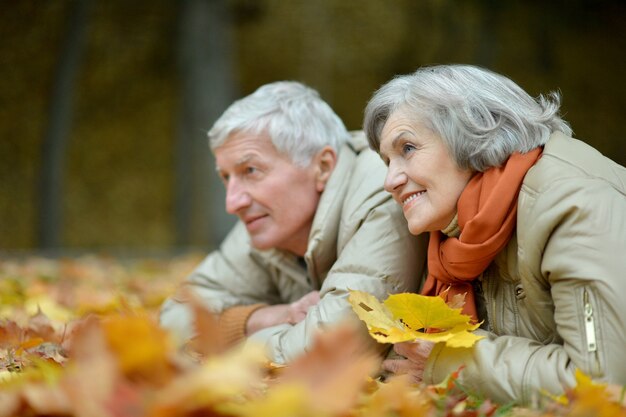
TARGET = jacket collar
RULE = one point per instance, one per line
(322, 248)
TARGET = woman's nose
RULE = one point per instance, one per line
(395, 179)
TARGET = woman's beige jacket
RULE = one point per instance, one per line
(555, 297)
(359, 240)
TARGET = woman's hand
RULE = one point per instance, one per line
(416, 354)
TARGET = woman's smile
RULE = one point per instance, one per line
(412, 197)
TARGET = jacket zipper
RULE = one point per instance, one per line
(590, 328)
(590, 332)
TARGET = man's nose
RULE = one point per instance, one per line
(237, 197)
(395, 178)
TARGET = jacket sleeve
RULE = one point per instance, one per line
(577, 231)
(229, 276)
(379, 258)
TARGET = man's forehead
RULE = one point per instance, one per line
(241, 149)
(226, 160)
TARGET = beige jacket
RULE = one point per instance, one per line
(359, 240)
(554, 297)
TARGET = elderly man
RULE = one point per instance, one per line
(315, 222)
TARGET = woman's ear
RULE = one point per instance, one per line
(325, 162)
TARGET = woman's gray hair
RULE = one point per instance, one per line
(297, 120)
(483, 117)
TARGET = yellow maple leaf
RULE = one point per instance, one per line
(422, 312)
(381, 324)
(405, 317)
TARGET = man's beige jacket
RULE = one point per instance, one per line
(555, 297)
(359, 240)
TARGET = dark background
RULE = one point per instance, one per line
(104, 105)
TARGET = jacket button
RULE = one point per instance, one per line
(519, 292)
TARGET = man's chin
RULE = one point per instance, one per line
(261, 244)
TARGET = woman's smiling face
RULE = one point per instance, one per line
(421, 176)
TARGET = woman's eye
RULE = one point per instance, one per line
(407, 148)
(250, 170)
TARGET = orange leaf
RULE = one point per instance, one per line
(334, 369)
(140, 345)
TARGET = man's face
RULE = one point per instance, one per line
(273, 197)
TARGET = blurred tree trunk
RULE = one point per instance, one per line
(317, 58)
(206, 69)
(50, 225)
(487, 51)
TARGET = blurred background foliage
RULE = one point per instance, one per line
(104, 105)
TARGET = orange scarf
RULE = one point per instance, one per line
(487, 214)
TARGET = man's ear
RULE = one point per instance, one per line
(325, 162)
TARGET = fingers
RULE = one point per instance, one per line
(417, 351)
(395, 366)
(297, 316)
(310, 299)
(298, 309)
(306, 301)
(297, 312)
(404, 366)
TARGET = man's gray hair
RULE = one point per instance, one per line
(483, 117)
(297, 120)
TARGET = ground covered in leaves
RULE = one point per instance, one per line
(79, 337)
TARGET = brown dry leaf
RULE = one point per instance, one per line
(10, 333)
(93, 374)
(127, 400)
(46, 399)
(335, 369)
(230, 377)
(40, 326)
(207, 341)
(36, 390)
(11, 402)
(456, 302)
(49, 351)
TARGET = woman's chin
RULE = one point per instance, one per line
(417, 229)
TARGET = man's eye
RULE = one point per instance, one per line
(250, 170)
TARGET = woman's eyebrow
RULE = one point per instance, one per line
(398, 138)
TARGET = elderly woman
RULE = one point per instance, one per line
(527, 222)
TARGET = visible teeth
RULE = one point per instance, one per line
(412, 197)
